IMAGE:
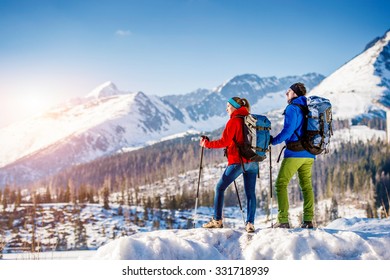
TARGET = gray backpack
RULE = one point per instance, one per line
(317, 127)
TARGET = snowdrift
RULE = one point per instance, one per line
(343, 239)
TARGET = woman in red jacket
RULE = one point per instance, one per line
(236, 165)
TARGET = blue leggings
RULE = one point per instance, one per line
(229, 175)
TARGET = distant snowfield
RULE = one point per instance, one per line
(357, 133)
(343, 239)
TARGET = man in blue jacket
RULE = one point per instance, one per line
(295, 160)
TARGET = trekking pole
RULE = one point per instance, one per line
(239, 201)
(270, 182)
(197, 191)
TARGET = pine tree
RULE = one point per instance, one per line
(18, 201)
(156, 224)
(33, 219)
(369, 211)
(67, 194)
(157, 202)
(5, 204)
(2, 243)
(334, 209)
(80, 234)
(106, 194)
(169, 222)
(6, 197)
(62, 242)
(47, 198)
(12, 198)
(82, 194)
(120, 210)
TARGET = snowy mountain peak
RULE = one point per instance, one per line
(387, 34)
(358, 87)
(244, 78)
(104, 90)
(141, 95)
(373, 42)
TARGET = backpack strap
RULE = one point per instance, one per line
(295, 146)
(234, 139)
(262, 128)
(304, 109)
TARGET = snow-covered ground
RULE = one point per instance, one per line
(343, 239)
(348, 238)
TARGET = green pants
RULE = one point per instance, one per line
(288, 168)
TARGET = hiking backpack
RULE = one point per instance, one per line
(256, 131)
(317, 126)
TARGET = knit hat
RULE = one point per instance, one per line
(295, 88)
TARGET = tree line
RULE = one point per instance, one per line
(358, 171)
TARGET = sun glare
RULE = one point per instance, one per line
(32, 104)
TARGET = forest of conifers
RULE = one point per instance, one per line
(354, 172)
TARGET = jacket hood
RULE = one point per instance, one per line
(301, 100)
(242, 111)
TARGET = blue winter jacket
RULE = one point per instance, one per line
(293, 122)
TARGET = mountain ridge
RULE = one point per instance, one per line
(356, 88)
(108, 120)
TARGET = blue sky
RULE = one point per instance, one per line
(53, 50)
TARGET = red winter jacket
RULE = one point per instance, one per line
(233, 130)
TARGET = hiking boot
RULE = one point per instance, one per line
(213, 224)
(281, 225)
(307, 224)
(249, 228)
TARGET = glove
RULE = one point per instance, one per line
(203, 140)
